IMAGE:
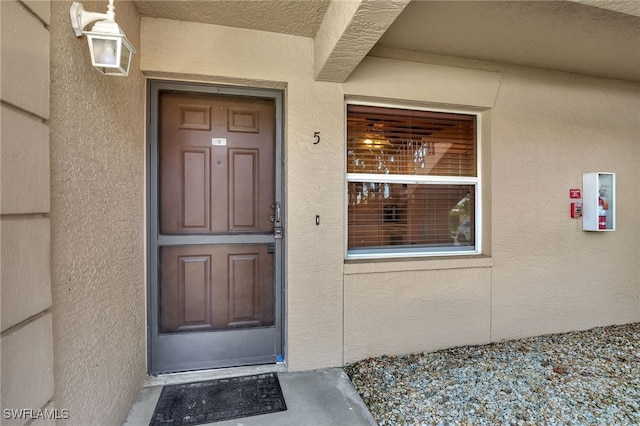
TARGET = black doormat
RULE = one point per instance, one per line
(218, 400)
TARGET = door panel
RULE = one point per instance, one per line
(186, 293)
(215, 287)
(244, 208)
(250, 277)
(215, 291)
(195, 205)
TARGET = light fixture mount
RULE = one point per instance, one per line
(111, 52)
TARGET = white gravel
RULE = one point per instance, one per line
(579, 378)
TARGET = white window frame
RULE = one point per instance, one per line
(476, 181)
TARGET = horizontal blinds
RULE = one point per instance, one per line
(395, 141)
(394, 214)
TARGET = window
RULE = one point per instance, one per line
(412, 182)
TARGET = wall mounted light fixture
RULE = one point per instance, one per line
(110, 50)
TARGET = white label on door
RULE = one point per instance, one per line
(219, 141)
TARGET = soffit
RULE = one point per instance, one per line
(592, 37)
(558, 35)
(300, 17)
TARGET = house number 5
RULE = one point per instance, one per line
(316, 136)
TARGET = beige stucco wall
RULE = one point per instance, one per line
(550, 275)
(97, 225)
(541, 131)
(313, 172)
(26, 341)
(416, 306)
(546, 129)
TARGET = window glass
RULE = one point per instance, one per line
(411, 181)
(395, 141)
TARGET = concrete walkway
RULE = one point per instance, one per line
(314, 398)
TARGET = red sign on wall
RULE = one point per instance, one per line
(574, 193)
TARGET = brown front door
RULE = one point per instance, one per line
(217, 281)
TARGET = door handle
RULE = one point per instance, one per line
(275, 217)
(277, 212)
(277, 228)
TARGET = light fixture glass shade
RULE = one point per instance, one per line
(110, 50)
(110, 54)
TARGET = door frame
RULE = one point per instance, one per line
(154, 87)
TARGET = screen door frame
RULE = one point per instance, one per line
(156, 365)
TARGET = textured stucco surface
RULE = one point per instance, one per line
(24, 163)
(541, 131)
(347, 33)
(97, 225)
(25, 59)
(297, 17)
(630, 7)
(551, 276)
(415, 82)
(27, 364)
(558, 35)
(26, 288)
(40, 8)
(415, 311)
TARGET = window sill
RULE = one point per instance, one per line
(369, 266)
